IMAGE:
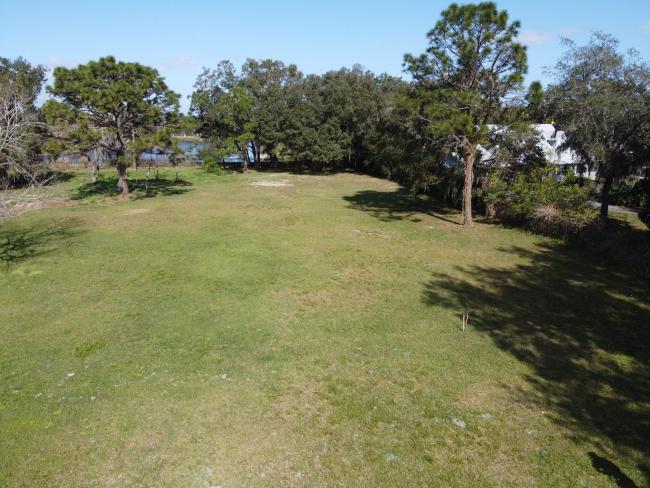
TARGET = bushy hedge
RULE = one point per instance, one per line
(644, 214)
(212, 165)
(631, 194)
(541, 203)
(634, 195)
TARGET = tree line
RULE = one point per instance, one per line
(464, 93)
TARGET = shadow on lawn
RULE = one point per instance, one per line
(584, 329)
(398, 205)
(21, 243)
(106, 186)
(300, 168)
(608, 468)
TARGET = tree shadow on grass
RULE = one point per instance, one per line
(615, 241)
(389, 206)
(106, 186)
(608, 468)
(300, 168)
(60, 175)
(584, 329)
(620, 242)
(20, 243)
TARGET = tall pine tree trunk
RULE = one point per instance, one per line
(146, 178)
(245, 158)
(256, 153)
(604, 197)
(469, 153)
(121, 182)
(121, 165)
(490, 208)
(93, 171)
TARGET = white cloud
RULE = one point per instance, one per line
(536, 38)
(646, 27)
(532, 38)
(567, 31)
(179, 62)
(65, 62)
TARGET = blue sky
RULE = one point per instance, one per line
(178, 38)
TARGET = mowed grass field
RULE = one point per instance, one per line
(218, 333)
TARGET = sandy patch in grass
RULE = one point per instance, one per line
(483, 397)
(137, 211)
(269, 183)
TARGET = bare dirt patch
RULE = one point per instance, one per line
(270, 183)
(137, 211)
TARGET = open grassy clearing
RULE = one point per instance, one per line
(224, 334)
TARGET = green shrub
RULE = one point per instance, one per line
(87, 348)
(644, 214)
(212, 165)
(635, 194)
(538, 201)
(641, 192)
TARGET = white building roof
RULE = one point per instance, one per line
(551, 141)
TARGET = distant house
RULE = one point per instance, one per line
(551, 141)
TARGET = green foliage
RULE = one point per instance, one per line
(537, 200)
(20, 131)
(123, 161)
(87, 348)
(641, 192)
(511, 150)
(320, 120)
(631, 193)
(268, 82)
(399, 149)
(211, 157)
(161, 141)
(535, 103)
(185, 124)
(473, 63)
(234, 120)
(54, 147)
(23, 77)
(68, 130)
(119, 98)
(602, 101)
(224, 109)
(58, 115)
(644, 214)
(210, 87)
(212, 166)
(331, 310)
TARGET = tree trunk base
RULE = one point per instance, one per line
(604, 198)
(469, 153)
(122, 183)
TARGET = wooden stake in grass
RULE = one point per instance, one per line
(465, 320)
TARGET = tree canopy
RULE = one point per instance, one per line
(471, 67)
(601, 99)
(23, 77)
(461, 120)
(20, 129)
(121, 99)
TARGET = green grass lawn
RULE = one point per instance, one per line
(214, 333)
